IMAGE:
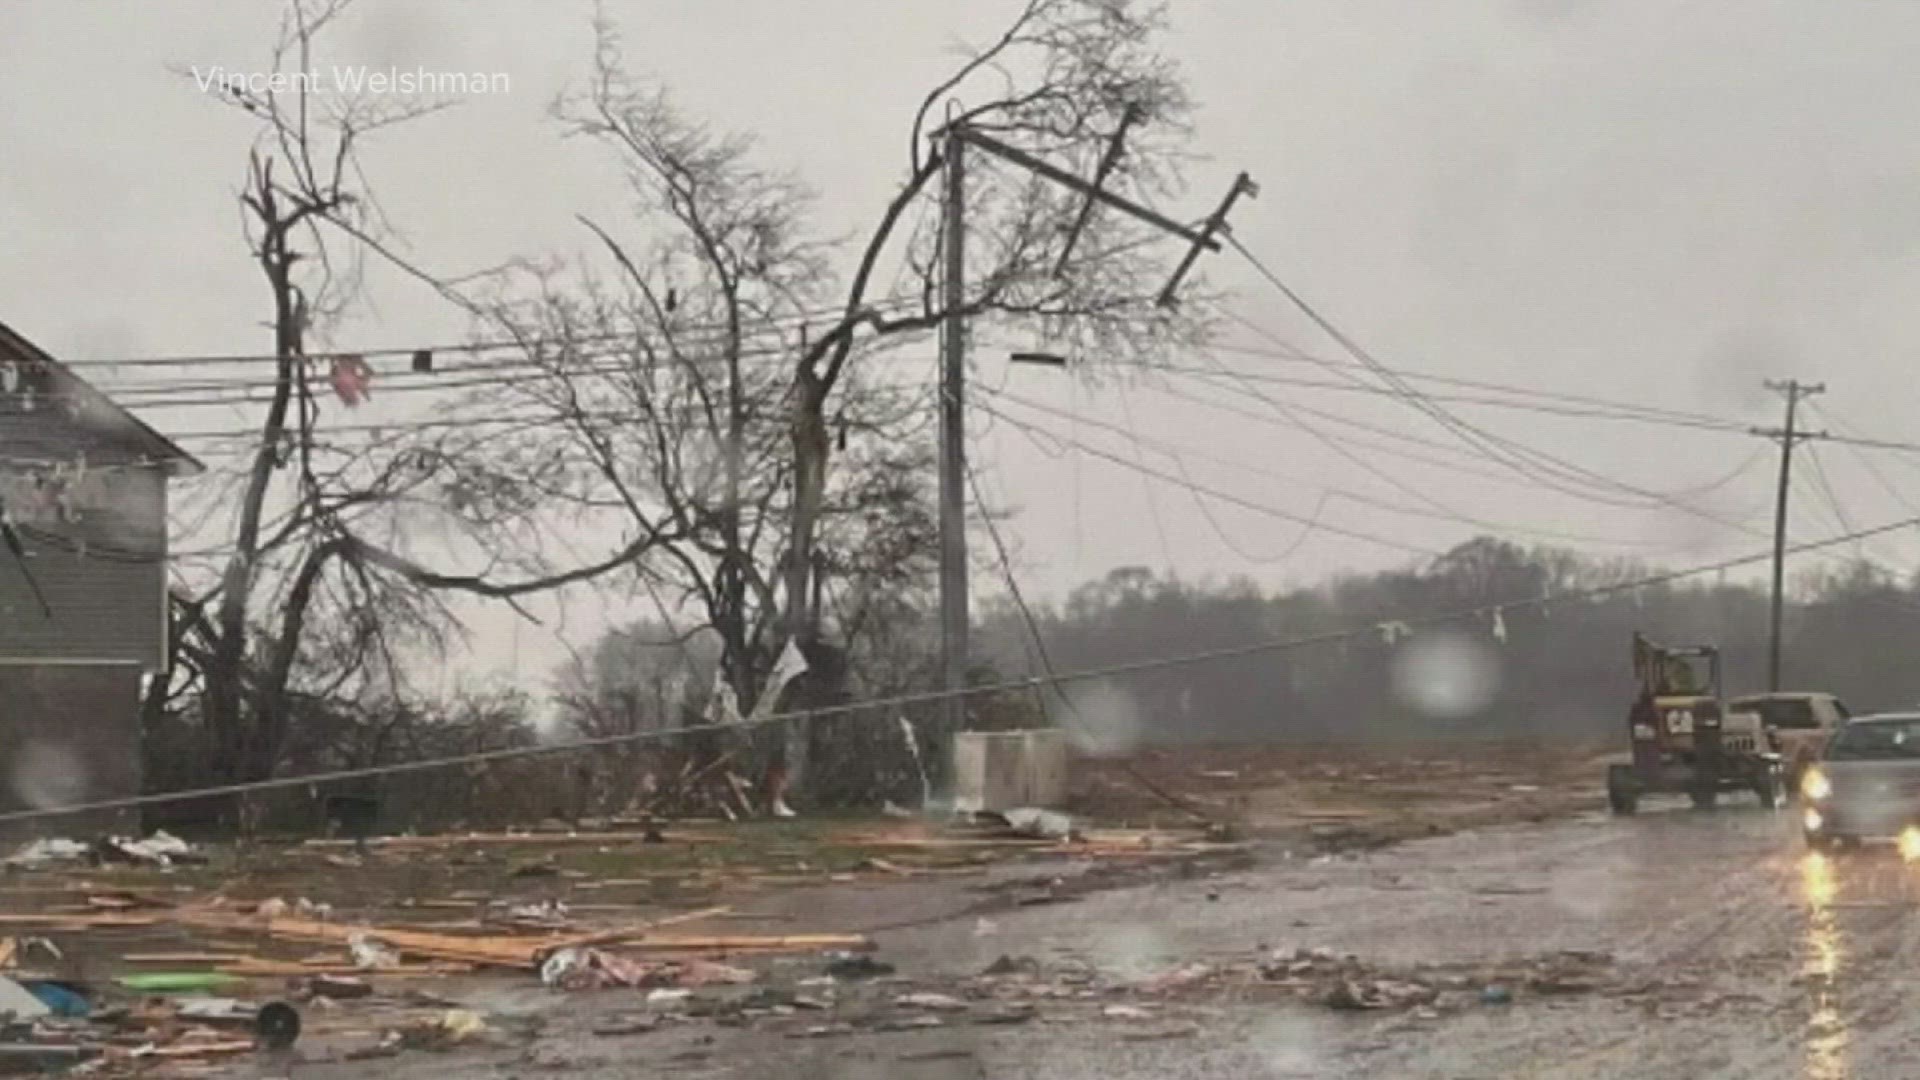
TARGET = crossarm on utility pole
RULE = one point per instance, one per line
(1242, 185)
(1061, 176)
(1107, 161)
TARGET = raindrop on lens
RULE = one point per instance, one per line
(1446, 674)
(46, 775)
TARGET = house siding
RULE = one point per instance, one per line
(98, 555)
(69, 734)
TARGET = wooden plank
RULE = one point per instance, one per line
(753, 943)
(9, 949)
(628, 933)
(490, 951)
(255, 967)
(194, 1050)
(73, 921)
(515, 951)
(519, 838)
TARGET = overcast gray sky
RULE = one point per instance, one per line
(1636, 200)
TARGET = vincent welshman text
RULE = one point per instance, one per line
(352, 80)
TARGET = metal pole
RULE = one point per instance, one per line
(953, 444)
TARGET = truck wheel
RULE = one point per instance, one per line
(1768, 788)
(1704, 796)
(1622, 796)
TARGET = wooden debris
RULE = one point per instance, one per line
(9, 950)
(195, 1049)
(639, 930)
(255, 967)
(483, 951)
(754, 943)
(512, 951)
(622, 837)
(77, 921)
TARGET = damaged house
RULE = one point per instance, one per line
(83, 586)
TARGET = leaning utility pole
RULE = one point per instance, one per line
(1787, 436)
(955, 139)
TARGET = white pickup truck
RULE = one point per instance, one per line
(1798, 724)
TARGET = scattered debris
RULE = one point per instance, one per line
(1126, 1012)
(333, 987)
(1180, 978)
(710, 973)
(451, 1028)
(850, 967)
(668, 997)
(1377, 994)
(594, 969)
(61, 999)
(586, 968)
(19, 1003)
(639, 1024)
(369, 954)
(931, 1001)
(950, 1053)
(1177, 1031)
(1012, 1013)
(1038, 824)
(162, 849)
(1005, 966)
(46, 852)
(277, 1025)
(177, 982)
(822, 1031)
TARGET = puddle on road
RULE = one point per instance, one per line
(1827, 1048)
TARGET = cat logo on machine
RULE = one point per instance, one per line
(1680, 721)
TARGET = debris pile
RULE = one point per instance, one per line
(589, 968)
(1347, 983)
(159, 850)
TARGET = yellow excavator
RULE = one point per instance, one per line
(1684, 739)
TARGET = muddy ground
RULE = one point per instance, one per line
(1406, 916)
(1712, 945)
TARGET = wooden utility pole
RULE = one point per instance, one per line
(953, 441)
(955, 140)
(1787, 436)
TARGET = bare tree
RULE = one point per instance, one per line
(288, 572)
(707, 375)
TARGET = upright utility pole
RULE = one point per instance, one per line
(955, 140)
(953, 441)
(1787, 436)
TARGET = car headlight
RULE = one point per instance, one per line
(1815, 785)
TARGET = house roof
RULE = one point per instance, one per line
(92, 411)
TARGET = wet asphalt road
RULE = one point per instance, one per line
(1765, 962)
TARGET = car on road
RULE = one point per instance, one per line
(1798, 723)
(1865, 784)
